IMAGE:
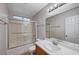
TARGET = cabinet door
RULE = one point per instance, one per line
(40, 51)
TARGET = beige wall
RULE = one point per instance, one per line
(40, 17)
(3, 29)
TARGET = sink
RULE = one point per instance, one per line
(55, 49)
(50, 46)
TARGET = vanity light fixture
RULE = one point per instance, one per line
(55, 6)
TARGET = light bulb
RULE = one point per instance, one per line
(55, 5)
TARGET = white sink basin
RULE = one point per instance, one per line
(50, 46)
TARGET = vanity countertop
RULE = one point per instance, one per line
(62, 50)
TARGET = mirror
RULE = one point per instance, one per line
(55, 28)
(64, 26)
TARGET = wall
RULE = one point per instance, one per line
(3, 10)
(43, 14)
(40, 17)
(3, 29)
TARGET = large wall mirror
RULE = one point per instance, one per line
(64, 26)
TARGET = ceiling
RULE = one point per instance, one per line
(25, 9)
